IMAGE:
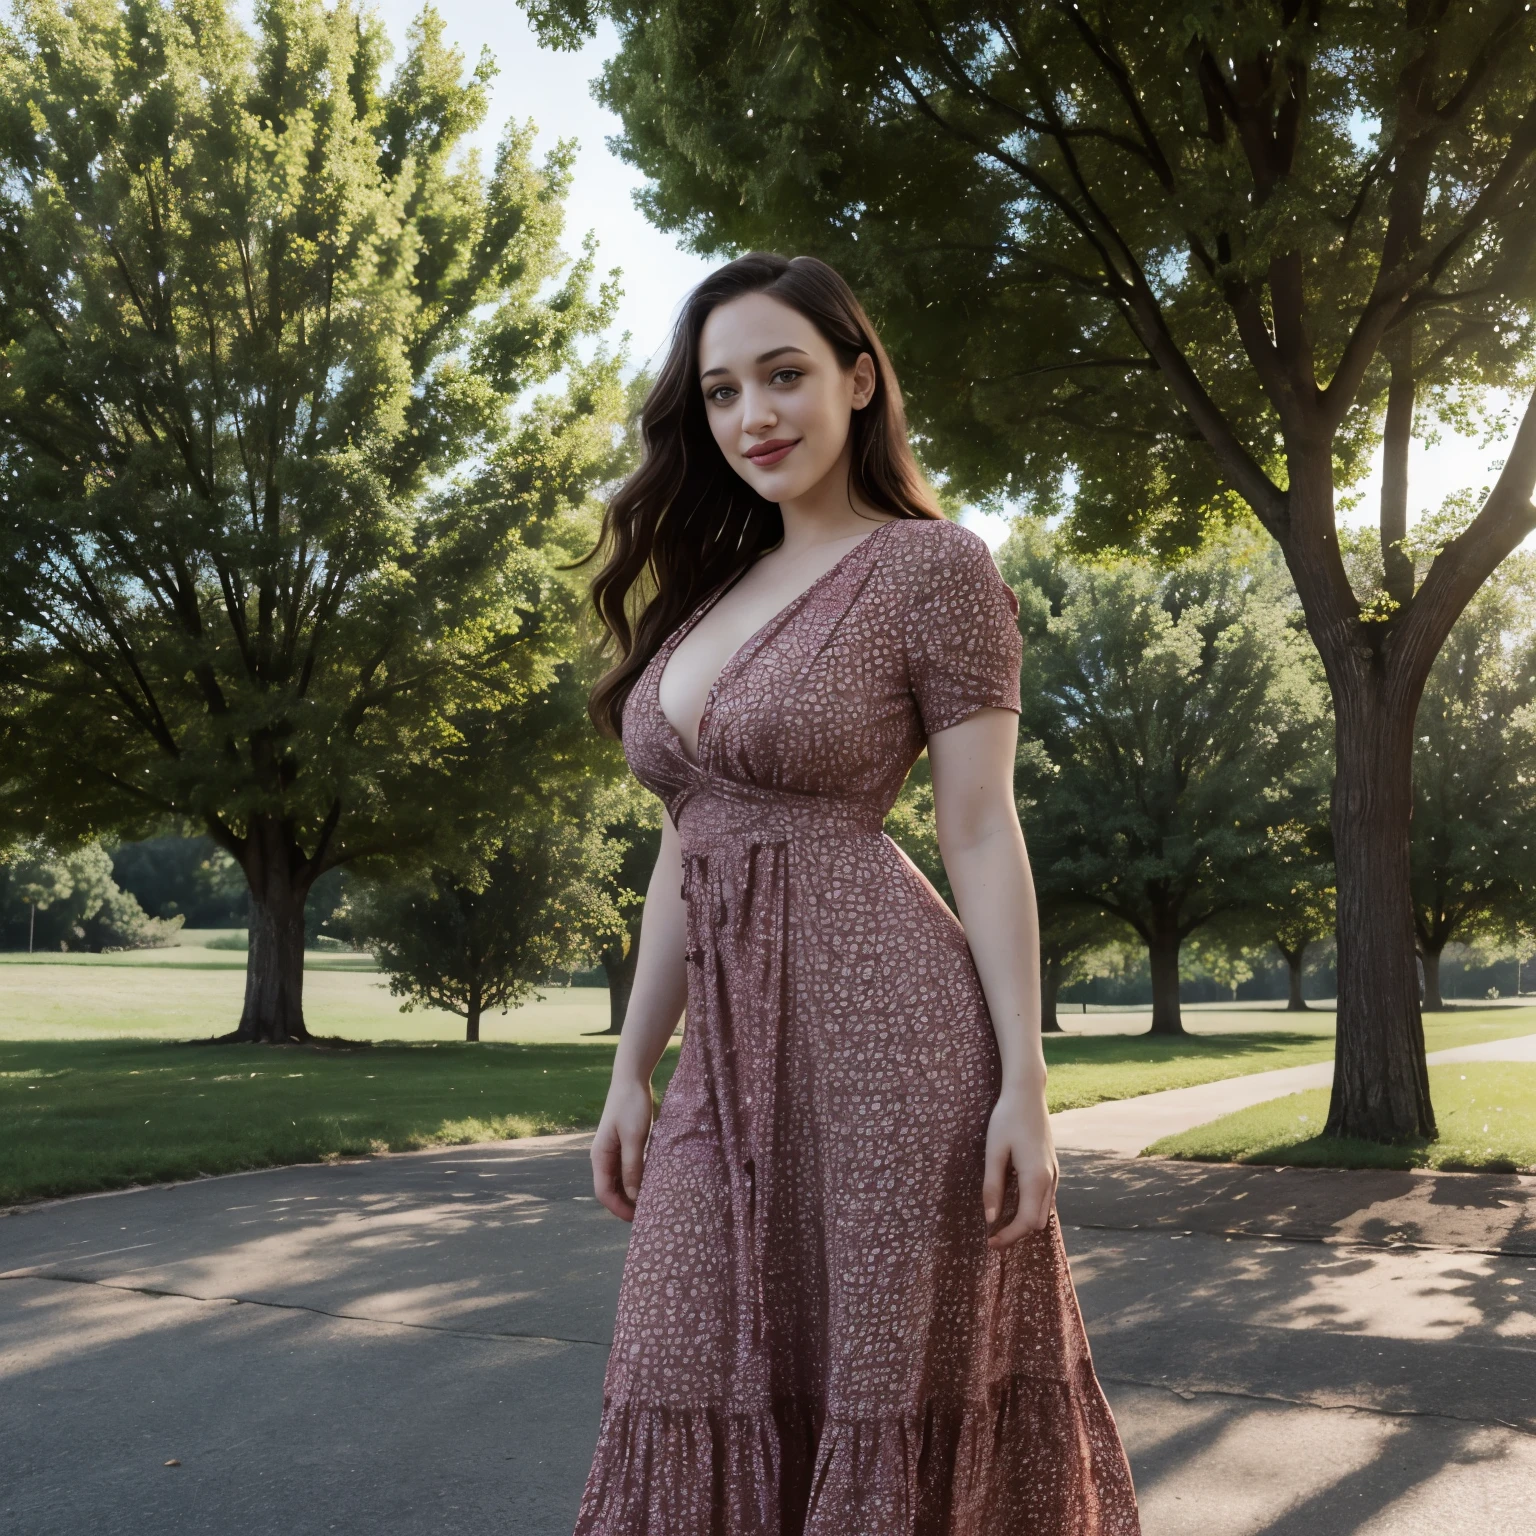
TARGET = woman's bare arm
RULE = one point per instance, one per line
(660, 994)
(982, 846)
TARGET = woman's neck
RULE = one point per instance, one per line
(830, 510)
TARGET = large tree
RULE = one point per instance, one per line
(1175, 716)
(1183, 254)
(1474, 775)
(271, 527)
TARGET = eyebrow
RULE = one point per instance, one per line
(762, 357)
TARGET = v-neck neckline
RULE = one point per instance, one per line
(670, 646)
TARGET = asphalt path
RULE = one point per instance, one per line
(1126, 1127)
(416, 1343)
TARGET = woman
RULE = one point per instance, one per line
(845, 1308)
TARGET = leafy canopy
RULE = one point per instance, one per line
(1474, 770)
(1173, 718)
(1135, 257)
(271, 526)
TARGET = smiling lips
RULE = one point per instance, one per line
(771, 452)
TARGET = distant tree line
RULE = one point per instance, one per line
(1172, 778)
(1175, 760)
(52, 899)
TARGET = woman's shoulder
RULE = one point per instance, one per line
(940, 538)
(932, 554)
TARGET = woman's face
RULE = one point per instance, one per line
(778, 402)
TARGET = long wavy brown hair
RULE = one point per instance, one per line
(685, 525)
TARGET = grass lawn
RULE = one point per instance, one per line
(1486, 1112)
(1090, 1069)
(189, 992)
(97, 1113)
(78, 1116)
(97, 1090)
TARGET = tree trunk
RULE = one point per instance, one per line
(1380, 1082)
(474, 1002)
(1050, 985)
(620, 970)
(279, 878)
(274, 967)
(1294, 961)
(1433, 1001)
(1163, 961)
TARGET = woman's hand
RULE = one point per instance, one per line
(618, 1152)
(1019, 1135)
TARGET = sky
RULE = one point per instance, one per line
(554, 90)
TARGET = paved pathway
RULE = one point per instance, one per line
(1522, 1048)
(1123, 1127)
(415, 1344)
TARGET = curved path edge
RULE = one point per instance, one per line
(1123, 1127)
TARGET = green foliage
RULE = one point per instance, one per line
(1474, 770)
(1298, 905)
(538, 883)
(1079, 941)
(1430, 535)
(1213, 955)
(68, 900)
(271, 527)
(1048, 206)
(629, 819)
(190, 877)
(539, 906)
(1172, 716)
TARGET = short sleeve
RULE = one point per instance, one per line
(963, 645)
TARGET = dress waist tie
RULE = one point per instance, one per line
(738, 941)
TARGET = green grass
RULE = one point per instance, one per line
(90, 1114)
(208, 949)
(1446, 1031)
(1091, 1069)
(81, 1116)
(1486, 1113)
(92, 997)
(96, 1092)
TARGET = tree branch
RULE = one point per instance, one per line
(1506, 517)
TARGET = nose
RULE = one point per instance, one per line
(758, 414)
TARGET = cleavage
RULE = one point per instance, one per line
(692, 682)
(691, 739)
